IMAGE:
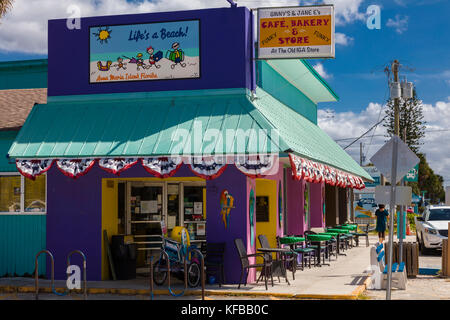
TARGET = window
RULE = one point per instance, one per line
(439, 214)
(21, 195)
(10, 187)
(194, 211)
(35, 194)
(262, 209)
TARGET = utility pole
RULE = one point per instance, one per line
(394, 68)
(360, 154)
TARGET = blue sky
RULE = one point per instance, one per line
(423, 46)
(416, 32)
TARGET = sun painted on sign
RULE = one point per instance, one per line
(151, 51)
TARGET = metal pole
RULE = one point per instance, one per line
(393, 183)
(401, 225)
(391, 220)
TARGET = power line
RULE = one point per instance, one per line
(382, 135)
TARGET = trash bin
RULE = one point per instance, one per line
(124, 258)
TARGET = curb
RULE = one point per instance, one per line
(353, 296)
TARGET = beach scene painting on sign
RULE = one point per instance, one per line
(139, 52)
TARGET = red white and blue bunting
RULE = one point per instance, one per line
(116, 165)
(312, 171)
(162, 167)
(75, 168)
(32, 168)
(206, 167)
(256, 166)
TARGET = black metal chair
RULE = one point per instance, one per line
(245, 263)
(324, 250)
(214, 260)
(289, 258)
(362, 234)
(306, 252)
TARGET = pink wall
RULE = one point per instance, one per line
(295, 204)
(316, 198)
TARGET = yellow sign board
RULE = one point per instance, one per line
(296, 32)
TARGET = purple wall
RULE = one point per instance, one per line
(225, 50)
(295, 205)
(74, 216)
(236, 183)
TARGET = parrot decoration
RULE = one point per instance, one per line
(226, 204)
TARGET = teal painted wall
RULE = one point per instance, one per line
(6, 139)
(273, 83)
(25, 74)
(21, 238)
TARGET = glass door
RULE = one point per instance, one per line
(145, 212)
(145, 207)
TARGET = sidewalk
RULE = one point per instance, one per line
(344, 278)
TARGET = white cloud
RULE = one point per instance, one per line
(342, 39)
(400, 24)
(321, 70)
(344, 125)
(347, 11)
(24, 28)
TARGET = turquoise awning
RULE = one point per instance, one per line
(149, 124)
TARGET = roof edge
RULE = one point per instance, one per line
(320, 79)
(151, 95)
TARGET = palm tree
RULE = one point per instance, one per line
(5, 5)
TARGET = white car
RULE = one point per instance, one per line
(432, 227)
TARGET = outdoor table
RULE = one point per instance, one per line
(317, 239)
(341, 232)
(291, 240)
(338, 238)
(337, 230)
(278, 265)
(351, 227)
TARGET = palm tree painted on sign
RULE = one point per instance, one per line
(5, 6)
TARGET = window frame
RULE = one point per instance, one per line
(22, 196)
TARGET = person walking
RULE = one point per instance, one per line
(381, 214)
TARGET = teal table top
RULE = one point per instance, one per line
(337, 230)
(289, 240)
(318, 237)
(333, 234)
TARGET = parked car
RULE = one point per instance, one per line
(432, 227)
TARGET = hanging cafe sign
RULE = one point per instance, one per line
(296, 32)
(206, 167)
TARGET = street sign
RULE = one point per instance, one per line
(296, 32)
(406, 159)
(413, 174)
(375, 174)
(403, 195)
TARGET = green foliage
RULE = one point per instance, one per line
(5, 6)
(411, 121)
(428, 181)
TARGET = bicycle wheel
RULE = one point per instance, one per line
(160, 271)
(193, 277)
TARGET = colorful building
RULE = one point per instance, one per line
(168, 117)
(22, 201)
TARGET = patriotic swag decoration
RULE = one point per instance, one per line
(206, 167)
(316, 172)
(256, 166)
(75, 168)
(209, 167)
(32, 168)
(116, 165)
(162, 167)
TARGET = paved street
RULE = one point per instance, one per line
(344, 278)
